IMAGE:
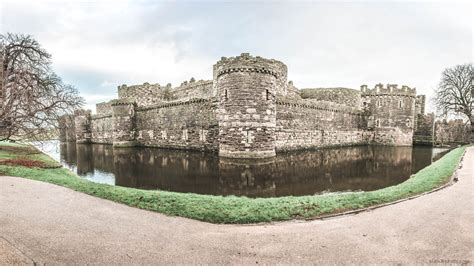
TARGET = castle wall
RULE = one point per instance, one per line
(249, 110)
(152, 94)
(306, 125)
(102, 129)
(424, 129)
(344, 96)
(145, 94)
(446, 133)
(179, 125)
(420, 104)
(104, 108)
(193, 89)
(82, 121)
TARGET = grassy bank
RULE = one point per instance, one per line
(230, 209)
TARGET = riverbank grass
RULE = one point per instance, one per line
(229, 209)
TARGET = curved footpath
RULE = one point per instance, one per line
(44, 223)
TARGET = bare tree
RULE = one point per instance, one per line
(32, 96)
(455, 92)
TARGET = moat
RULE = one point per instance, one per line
(360, 168)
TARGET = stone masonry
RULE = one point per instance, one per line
(248, 110)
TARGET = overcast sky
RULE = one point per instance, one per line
(97, 45)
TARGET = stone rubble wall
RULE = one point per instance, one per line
(424, 129)
(102, 129)
(104, 108)
(420, 104)
(313, 124)
(82, 121)
(188, 124)
(344, 96)
(145, 94)
(152, 94)
(193, 89)
(446, 132)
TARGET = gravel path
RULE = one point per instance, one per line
(44, 223)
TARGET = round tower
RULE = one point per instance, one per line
(246, 87)
(391, 113)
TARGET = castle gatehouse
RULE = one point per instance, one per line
(248, 110)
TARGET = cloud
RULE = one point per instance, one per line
(97, 45)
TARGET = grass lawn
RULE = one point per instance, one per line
(228, 209)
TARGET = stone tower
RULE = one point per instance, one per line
(392, 113)
(82, 122)
(246, 87)
(124, 124)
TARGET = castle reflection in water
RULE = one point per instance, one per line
(300, 173)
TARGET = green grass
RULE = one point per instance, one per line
(231, 209)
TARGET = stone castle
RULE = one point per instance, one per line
(248, 110)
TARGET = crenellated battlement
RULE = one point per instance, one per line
(124, 101)
(192, 89)
(247, 63)
(192, 83)
(391, 111)
(248, 69)
(389, 89)
(103, 108)
(246, 57)
(125, 91)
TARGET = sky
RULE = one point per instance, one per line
(98, 45)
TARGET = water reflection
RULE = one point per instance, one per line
(298, 173)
